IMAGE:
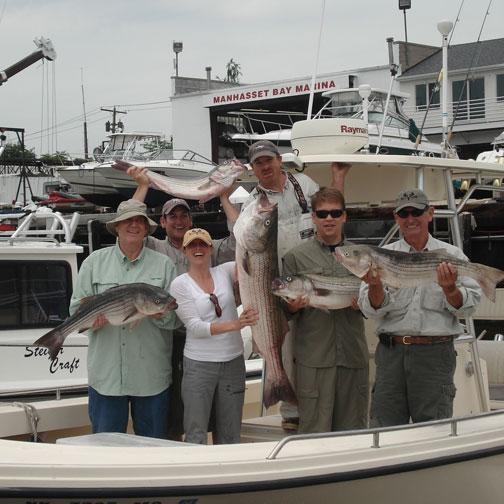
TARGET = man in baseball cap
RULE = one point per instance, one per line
(414, 198)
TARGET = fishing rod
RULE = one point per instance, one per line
(476, 49)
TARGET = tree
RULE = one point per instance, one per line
(58, 158)
(233, 72)
(14, 152)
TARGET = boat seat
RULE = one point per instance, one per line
(118, 439)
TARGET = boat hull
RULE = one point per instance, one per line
(438, 466)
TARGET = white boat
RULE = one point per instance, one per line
(97, 182)
(496, 155)
(398, 136)
(385, 463)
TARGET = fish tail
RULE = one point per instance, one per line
(278, 390)
(489, 281)
(53, 340)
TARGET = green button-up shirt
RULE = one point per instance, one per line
(124, 360)
(325, 339)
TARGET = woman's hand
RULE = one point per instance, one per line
(248, 317)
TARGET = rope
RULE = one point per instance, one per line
(31, 416)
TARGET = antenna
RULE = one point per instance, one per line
(312, 85)
(85, 120)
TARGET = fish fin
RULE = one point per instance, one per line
(246, 263)
(131, 317)
(322, 292)
(53, 341)
(278, 389)
(134, 324)
(488, 279)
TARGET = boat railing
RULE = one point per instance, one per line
(376, 432)
(56, 225)
(46, 392)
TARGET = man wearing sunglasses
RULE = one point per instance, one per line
(292, 193)
(415, 358)
(330, 347)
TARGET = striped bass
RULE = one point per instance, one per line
(323, 292)
(403, 269)
(257, 262)
(202, 189)
(124, 304)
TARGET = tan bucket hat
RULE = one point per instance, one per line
(126, 210)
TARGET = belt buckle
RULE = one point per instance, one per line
(404, 340)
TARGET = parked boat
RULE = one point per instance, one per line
(369, 104)
(99, 183)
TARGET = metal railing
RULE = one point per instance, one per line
(470, 112)
(376, 432)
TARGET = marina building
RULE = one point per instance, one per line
(219, 119)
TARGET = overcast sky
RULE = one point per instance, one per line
(124, 48)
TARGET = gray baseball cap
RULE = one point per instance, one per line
(126, 210)
(171, 204)
(262, 148)
(414, 198)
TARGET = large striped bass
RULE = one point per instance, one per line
(403, 269)
(324, 292)
(124, 304)
(257, 262)
(200, 188)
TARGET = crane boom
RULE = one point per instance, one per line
(45, 50)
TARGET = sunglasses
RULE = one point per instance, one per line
(215, 301)
(334, 213)
(414, 212)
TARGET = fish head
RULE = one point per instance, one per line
(151, 300)
(289, 287)
(257, 226)
(356, 258)
(227, 173)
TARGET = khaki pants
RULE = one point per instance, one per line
(332, 399)
(413, 382)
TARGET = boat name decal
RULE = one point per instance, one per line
(58, 364)
(353, 130)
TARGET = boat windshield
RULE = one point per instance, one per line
(349, 104)
(34, 293)
(131, 147)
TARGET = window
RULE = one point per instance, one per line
(469, 99)
(426, 92)
(34, 294)
(500, 87)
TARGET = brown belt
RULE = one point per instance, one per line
(390, 340)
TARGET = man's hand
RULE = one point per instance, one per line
(447, 275)
(339, 173)
(139, 174)
(340, 169)
(376, 293)
(294, 305)
(100, 321)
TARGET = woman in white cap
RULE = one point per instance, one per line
(214, 368)
(128, 367)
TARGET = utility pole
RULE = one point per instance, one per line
(111, 126)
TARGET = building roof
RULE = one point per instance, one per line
(485, 53)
